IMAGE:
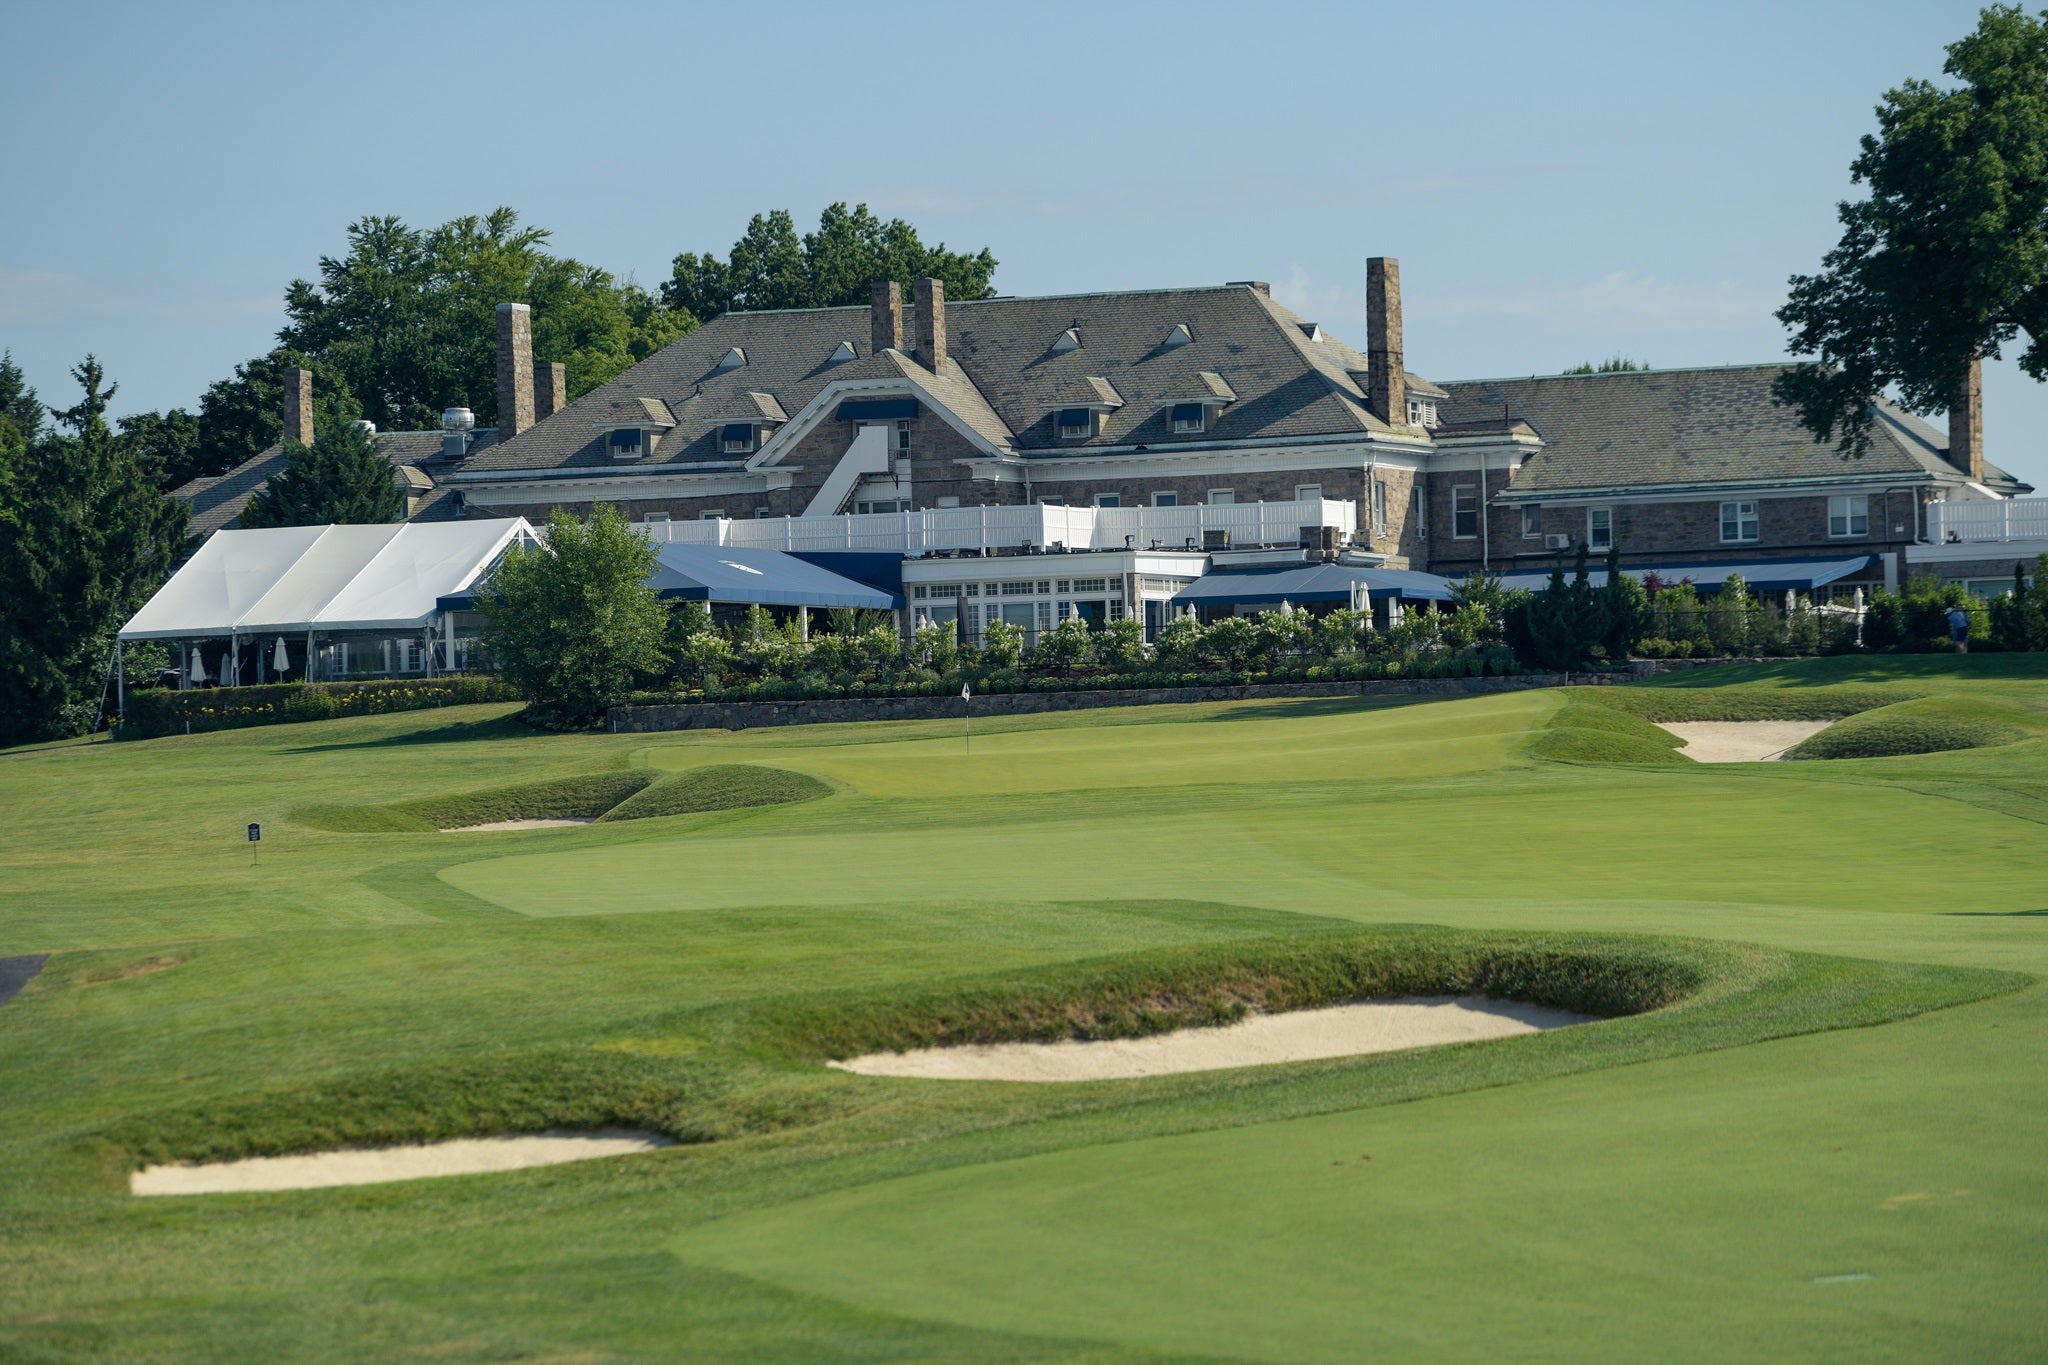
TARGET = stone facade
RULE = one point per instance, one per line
(298, 406)
(515, 368)
(550, 390)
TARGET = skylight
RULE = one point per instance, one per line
(1179, 336)
(1069, 340)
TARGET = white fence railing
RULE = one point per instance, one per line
(988, 529)
(1950, 523)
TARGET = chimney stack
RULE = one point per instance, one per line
(515, 369)
(1387, 368)
(550, 389)
(885, 318)
(298, 406)
(930, 296)
(1966, 423)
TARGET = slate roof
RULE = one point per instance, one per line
(1684, 428)
(218, 502)
(1004, 379)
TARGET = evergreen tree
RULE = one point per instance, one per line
(169, 441)
(342, 477)
(1624, 610)
(85, 539)
(21, 412)
(243, 416)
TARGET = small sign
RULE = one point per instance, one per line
(255, 834)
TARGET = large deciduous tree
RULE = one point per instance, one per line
(85, 538)
(1946, 259)
(771, 267)
(573, 623)
(341, 477)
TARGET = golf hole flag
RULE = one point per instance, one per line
(965, 695)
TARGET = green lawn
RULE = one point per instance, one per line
(1830, 1148)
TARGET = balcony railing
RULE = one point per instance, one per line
(996, 530)
(1951, 523)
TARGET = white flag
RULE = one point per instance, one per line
(964, 695)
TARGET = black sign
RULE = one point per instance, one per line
(255, 834)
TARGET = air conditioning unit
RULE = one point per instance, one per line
(1215, 538)
(1557, 542)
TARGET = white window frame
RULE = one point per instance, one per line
(1752, 520)
(1067, 433)
(1460, 493)
(949, 501)
(1532, 521)
(1308, 492)
(714, 514)
(1183, 426)
(1418, 502)
(1846, 510)
(1109, 500)
(903, 436)
(1378, 509)
(653, 518)
(745, 447)
(1222, 497)
(1600, 529)
(1163, 498)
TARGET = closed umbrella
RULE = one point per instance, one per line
(281, 661)
(198, 667)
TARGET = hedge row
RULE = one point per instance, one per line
(164, 712)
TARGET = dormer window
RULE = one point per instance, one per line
(1179, 336)
(1076, 424)
(731, 360)
(1069, 340)
(627, 443)
(1190, 419)
(737, 438)
(1422, 413)
(843, 353)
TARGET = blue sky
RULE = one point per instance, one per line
(1561, 182)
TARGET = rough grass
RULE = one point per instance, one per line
(1742, 703)
(1584, 733)
(1933, 726)
(724, 786)
(568, 798)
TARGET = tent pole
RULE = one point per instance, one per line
(120, 681)
(448, 636)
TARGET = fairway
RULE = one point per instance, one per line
(1823, 1140)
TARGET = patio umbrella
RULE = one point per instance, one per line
(198, 666)
(281, 661)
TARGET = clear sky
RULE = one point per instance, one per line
(1561, 182)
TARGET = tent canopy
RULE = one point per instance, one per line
(1310, 583)
(1762, 575)
(724, 573)
(327, 578)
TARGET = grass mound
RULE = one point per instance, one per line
(1158, 992)
(1584, 733)
(568, 798)
(726, 786)
(1930, 727)
(1741, 703)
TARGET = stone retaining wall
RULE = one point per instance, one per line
(747, 715)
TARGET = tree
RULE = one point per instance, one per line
(2019, 618)
(1946, 260)
(167, 440)
(1624, 610)
(243, 416)
(1614, 364)
(342, 477)
(770, 267)
(21, 412)
(85, 539)
(573, 623)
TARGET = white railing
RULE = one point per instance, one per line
(987, 529)
(1988, 519)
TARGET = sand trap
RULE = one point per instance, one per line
(1296, 1036)
(463, 1156)
(517, 824)
(1742, 741)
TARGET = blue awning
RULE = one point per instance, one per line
(721, 573)
(733, 432)
(1187, 412)
(876, 409)
(1310, 583)
(1762, 575)
(625, 438)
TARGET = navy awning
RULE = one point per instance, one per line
(1310, 583)
(876, 409)
(1076, 417)
(625, 438)
(742, 432)
(1762, 575)
(722, 573)
(1187, 412)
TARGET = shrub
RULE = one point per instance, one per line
(164, 712)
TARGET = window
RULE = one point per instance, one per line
(1189, 419)
(1532, 521)
(762, 513)
(1222, 497)
(1091, 585)
(949, 502)
(736, 438)
(1052, 501)
(1109, 500)
(654, 518)
(1421, 412)
(1076, 424)
(1166, 499)
(903, 438)
(626, 445)
(1419, 506)
(1599, 528)
(1738, 522)
(1018, 589)
(1465, 512)
(715, 514)
(1379, 506)
(1849, 516)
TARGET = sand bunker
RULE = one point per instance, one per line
(516, 824)
(1742, 741)
(463, 1156)
(1296, 1036)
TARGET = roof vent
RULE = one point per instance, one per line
(457, 419)
(369, 428)
(1069, 340)
(1179, 336)
(842, 354)
(732, 360)
(456, 424)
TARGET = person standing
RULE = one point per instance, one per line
(1959, 629)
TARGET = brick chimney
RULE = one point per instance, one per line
(885, 317)
(1966, 423)
(298, 406)
(550, 390)
(515, 369)
(1387, 368)
(930, 297)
